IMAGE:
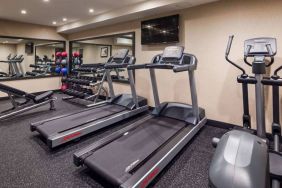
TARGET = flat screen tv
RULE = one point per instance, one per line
(160, 30)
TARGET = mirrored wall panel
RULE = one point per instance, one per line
(93, 51)
(28, 58)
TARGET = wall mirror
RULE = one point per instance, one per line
(25, 58)
(100, 49)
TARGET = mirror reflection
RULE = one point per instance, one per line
(87, 52)
(21, 58)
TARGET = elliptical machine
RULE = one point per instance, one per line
(242, 158)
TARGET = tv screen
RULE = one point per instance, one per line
(160, 30)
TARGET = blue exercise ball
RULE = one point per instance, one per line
(58, 70)
(64, 71)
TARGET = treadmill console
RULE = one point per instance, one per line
(175, 56)
(121, 57)
(173, 52)
(121, 54)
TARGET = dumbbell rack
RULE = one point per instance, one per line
(81, 87)
(38, 70)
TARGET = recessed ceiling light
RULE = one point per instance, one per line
(65, 19)
(46, 1)
(54, 23)
(91, 10)
(23, 11)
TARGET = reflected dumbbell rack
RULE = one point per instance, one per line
(86, 85)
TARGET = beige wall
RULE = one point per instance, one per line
(45, 50)
(11, 28)
(91, 54)
(28, 58)
(204, 32)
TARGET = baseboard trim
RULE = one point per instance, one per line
(221, 124)
(229, 126)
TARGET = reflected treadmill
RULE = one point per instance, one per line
(62, 129)
(136, 154)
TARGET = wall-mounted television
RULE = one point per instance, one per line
(160, 30)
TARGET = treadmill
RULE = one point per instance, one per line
(136, 154)
(62, 129)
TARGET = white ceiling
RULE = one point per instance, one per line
(40, 12)
(23, 41)
(10, 41)
(77, 11)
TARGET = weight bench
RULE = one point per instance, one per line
(31, 101)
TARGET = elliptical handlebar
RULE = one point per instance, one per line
(229, 45)
(269, 49)
(271, 54)
(227, 54)
(277, 70)
(249, 47)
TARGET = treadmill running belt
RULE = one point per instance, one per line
(68, 122)
(116, 159)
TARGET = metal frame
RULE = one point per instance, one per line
(85, 128)
(276, 82)
(194, 97)
(18, 109)
(67, 136)
(193, 90)
(259, 49)
(260, 114)
(144, 174)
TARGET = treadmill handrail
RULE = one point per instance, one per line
(11, 61)
(182, 68)
(115, 66)
(160, 66)
(175, 68)
(134, 67)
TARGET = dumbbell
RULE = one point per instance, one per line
(89, 91)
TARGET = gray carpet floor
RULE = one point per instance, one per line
(25, 160)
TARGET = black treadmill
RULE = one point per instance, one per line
(135, 155)
(62, 129)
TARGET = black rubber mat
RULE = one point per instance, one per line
(77, 119)
(116, 159)
(26, 161)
